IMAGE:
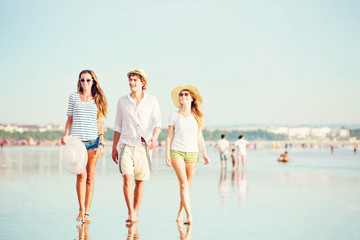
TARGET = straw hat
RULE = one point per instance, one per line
(175, 94)
(73, 155)
(141, 72)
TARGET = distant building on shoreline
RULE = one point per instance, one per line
(30, 128)
(308, 133)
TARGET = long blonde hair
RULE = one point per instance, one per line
(97, 92)
(195, 110)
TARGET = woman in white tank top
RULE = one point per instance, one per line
(184, 138)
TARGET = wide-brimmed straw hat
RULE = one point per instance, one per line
(73, 155)
(141, 72)
(175, 94)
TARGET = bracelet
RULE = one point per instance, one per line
(102, 144)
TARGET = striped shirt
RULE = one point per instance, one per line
(84, 114)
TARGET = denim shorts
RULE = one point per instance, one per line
(92, 144)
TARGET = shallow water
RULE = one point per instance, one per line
(316, 196)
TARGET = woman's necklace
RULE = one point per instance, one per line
(86, 97)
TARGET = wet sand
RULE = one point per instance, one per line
(317, 196)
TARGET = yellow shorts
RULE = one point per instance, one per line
(135, 160)
(187, 156)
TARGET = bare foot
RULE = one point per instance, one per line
(188, 221)
(131, 219)
(80, 217)
(179, 219)
(86, 218)
(180, 216)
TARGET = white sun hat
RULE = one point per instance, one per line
(73, 155)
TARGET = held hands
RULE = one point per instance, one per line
(62, 141)
(153, 143)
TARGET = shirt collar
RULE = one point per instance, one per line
(146, 96)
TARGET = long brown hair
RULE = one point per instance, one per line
(97, 93)
(195, 110)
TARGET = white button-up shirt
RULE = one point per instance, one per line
(135, 122)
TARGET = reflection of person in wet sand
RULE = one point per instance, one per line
(183, 141)
(223, 187)
(240, 183)
(284, 157)
(184, 235)
(83, 231)
(132, 231)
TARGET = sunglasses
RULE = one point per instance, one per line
(184, 94)
(87, 80)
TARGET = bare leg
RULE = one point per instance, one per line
(190, 168)
(138, 194)
(129, 197)
(80, 191)
(90, 168)
(180, 170)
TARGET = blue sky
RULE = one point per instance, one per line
(255, 62)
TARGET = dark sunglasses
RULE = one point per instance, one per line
(87, 80)
(184, 94)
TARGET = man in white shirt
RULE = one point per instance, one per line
(137, 126)
(223, 146)
(241, 145)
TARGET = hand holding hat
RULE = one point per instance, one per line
(73, 155)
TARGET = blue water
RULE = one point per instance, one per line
(316, 196)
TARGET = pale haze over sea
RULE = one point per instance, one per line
(258, 62)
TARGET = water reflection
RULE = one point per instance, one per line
(239, 184)
(83, 231)
(223, 186)
(132, 231)
(184, 235)
(2, 163)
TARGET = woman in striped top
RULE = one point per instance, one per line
(86, 112)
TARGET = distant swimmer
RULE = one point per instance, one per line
(284, 157)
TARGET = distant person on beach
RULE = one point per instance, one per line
(137, 127)
(233, 157)
(223, 146)
(284, 157)
(241, 145)
(332, 148)
(1, 143)
(355, 145)
(182, 142)
(86, 112)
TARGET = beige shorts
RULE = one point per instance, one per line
(135, 160)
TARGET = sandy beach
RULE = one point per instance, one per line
(315, 196)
